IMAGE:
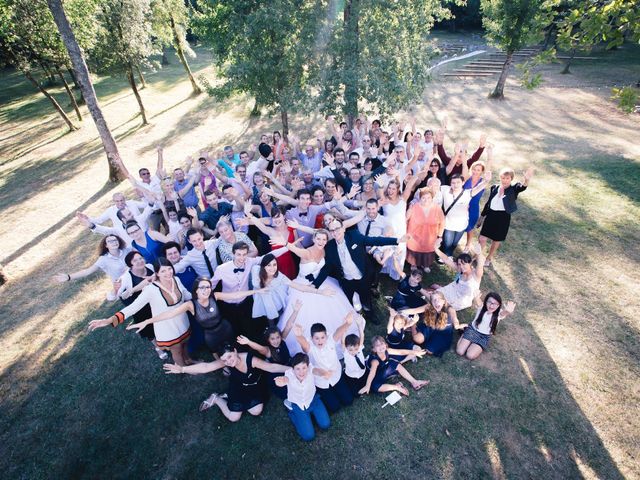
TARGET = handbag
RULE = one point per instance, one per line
(452, 203)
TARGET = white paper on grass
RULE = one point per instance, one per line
(392, 399)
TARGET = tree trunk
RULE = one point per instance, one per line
(117, 170)
(567, 64)
(141, 77)
(55, 104)
(284, 115)
(165, 59)
(70, 93)
(76, 85)
(180, 52)
(132, 82)
(256, 110)
(352, 37)
(498, 92)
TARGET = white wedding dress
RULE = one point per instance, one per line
(316, 308)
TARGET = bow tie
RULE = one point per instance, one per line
(303, 214)
(236, 270)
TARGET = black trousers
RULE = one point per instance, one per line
(362, 286)
(239, 316)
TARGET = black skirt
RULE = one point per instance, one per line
(496, 225)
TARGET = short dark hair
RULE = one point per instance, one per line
(243, 151)
(239, 246)
(300, 358)
(208, 192)
(354, 154)
(226, 186)
(128, 259)
(318, 328)
(372, 201)
(351, 340)
(143, 169)
(130, 223)
(169, 245)
(456, 176)
(343, 123)
(303, 191)
(162, 262)
(338, 150)
(193, 231)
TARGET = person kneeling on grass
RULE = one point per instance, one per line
(327, 371)
(382, 366)
(245, 392)
(475, 338)
(303, 401)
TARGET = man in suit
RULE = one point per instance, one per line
(346, 260)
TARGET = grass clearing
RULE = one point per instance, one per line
(556, 396)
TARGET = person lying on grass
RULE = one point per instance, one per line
(382, 366)
(245, 393)
(475, 338)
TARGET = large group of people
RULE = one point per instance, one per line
(270, 260)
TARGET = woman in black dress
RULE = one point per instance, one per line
(496, 213)
(217, 331)
(245, 392)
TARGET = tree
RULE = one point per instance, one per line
(117, 171)
(170, 23)
(378, 55)
(28, 41)
(512, 25)
(124, 41)
(264, 49)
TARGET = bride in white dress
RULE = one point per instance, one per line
(328, 310)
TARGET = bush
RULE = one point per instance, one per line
(627, 98)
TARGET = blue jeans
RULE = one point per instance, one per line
(450, 241)
(301, 419)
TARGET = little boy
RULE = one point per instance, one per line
(327, 370)
(355, 365)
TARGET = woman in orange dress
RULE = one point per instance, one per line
(425, 223)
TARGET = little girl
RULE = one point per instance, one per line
(382, 366)
(476, 337)
(397, 327)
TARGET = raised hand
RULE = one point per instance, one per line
(277, 239)
(297, 330)
(349, 318)
(193, 213)
(84, 219)
(298, 305)
(487, 176)
(355, 189)
(328, 158)
(529, 173)
(483, 140)
(61, 277)
(509, 306)
(242, 340)
(292, 223)
(477, 249)
(243, 222)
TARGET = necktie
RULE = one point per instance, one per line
(236, 270)
(366, 232)
(208, 262)
(359, 362)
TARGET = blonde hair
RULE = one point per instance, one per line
(481, 163)
(508, 171)
(434, 319)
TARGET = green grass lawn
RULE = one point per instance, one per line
(555, 396)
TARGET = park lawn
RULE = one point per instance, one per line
(555, 396)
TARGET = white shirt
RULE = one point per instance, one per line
(457, 218)
(349, 269)
(497, 202)
(325, 358)
(196, 259)
(154, 186)
(111, 213)
(300, 393)
(113, 266)
(351, 367)
(484, 326)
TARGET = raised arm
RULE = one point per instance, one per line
(269, 367)
(304, 344)
(224, 296)
(67, 277)
(281, 197)
(445, 259)
(341, 330)
(261, 349)
(197, 369)
(292, 319)
(166, 315)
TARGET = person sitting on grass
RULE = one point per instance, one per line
(397, 327)
(464, 291)
(475, 338)
(382, 366)
(410, 292)
(275, 350)
(327, 370)
(435, 332)
(245, 393)
(303, 400)
(355, 365)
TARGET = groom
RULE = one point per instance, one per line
(346, 260)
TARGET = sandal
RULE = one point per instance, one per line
(403, 389)
(209, 402)
(161, 353)
(487, 263)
